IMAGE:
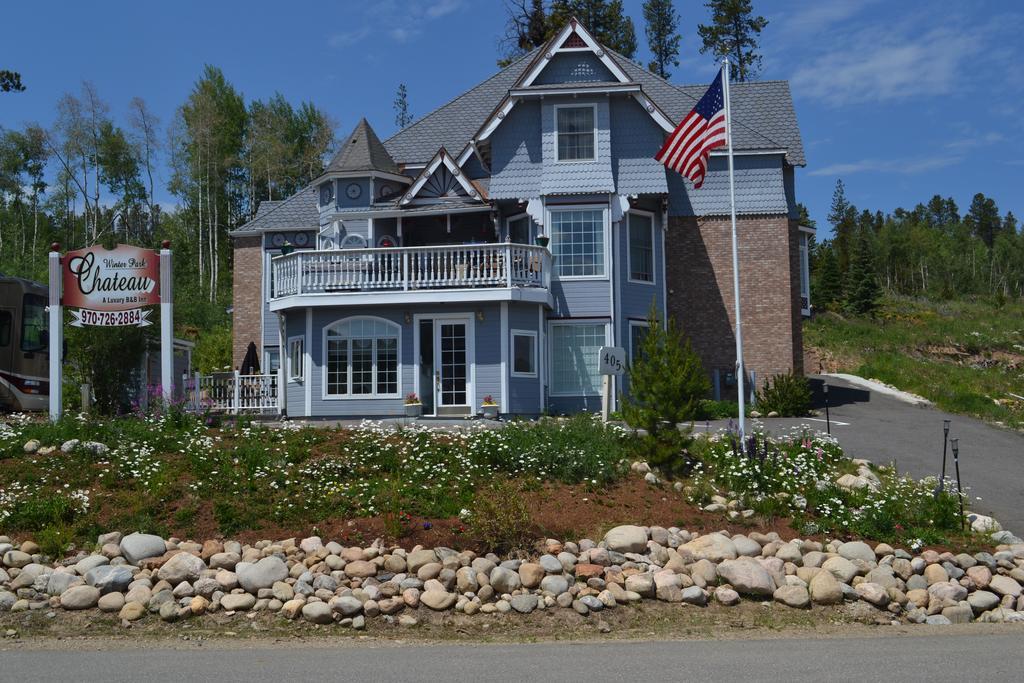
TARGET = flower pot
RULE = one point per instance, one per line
(542, 241)
(490, 411)
(413, 409)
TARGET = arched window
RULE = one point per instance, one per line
(361, 358)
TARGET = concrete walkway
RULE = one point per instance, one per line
(883, 428)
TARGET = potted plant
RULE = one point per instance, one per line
(542, 240)
(413, 407)
(490, 408)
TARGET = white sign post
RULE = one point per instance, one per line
(56, 335)
(612, 361)
(166, 324)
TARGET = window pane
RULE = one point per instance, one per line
(519, 230)
(6, 323)
(524, 354)
(337, 366)
(574, 350)
(387, 366)
(575, 133)
(33, 323)
(362, 366)
(295, 359)
(641, 248)
(577, 242)
(636, 338)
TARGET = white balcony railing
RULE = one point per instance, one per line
(411, 268)
(233, 393)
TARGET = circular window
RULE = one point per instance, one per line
(353, 242)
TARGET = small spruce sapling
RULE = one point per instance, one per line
(666, 384)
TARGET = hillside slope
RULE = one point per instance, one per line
(966, 356)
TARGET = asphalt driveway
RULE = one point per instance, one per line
(882, 429)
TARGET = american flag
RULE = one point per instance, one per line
(686, 149)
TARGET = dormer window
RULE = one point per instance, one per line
(575, 132)
(326, 193)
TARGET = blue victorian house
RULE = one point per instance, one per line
(489, 249)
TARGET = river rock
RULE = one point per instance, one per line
(1004, 585)
(626, 539)
(747, 575)
(712, 547)
(524, 603)
(238, 602)
(181, 567)
(137, 547)
(873, 594)
(438, 600)
(80, 597)
(825, 589)
(841, 568)
(531, 574)
(261, 574)
(317, 613)
(111, 602)
(132, 611)
(504, 580)
(857, 550)
(792, 596)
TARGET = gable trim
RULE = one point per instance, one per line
(544, 58)
(442, 157)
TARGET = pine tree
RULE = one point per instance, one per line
(733, 31)
(666, 384)
(983, 219)
(526, 28)
(827, 285)
(843, 217)
(662, 24)
(862, 290)
(401, 106)
(10, 81)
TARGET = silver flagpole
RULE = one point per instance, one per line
(740, 370)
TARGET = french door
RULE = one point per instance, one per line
(445, 364)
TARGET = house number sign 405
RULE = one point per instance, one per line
(612, 360)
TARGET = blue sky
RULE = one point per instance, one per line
(901, 100)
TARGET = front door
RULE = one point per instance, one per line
(451, 366)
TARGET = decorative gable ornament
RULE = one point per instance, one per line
(441, 180)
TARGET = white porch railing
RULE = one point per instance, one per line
(230, 392)
(411, 268)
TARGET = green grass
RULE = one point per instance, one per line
(965, 356)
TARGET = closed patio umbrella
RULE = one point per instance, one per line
(251, 362)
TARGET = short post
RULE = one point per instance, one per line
(237, 392)
(828, 419)
(941, 486)
(606, 397)
(86, 390)
(955, 443)
(56, 334)
(166, 324)
(196, 397)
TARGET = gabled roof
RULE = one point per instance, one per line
(763, 115)
(362, 151)
(298, 212)
(453, 125)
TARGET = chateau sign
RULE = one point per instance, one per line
(111, 287)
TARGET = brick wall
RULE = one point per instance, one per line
(246, 297)
(699, 266)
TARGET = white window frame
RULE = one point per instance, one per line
(635, 323)
(268, 351)
(512, 352)
(551, 350)
(348, 377)
(629, 248)
(804, 245)
(606, 236)
(556, 108)
(529, 227)
(300, 376)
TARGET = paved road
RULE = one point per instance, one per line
(928, 657)
(882, 429)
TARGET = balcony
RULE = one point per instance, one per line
(478, 272)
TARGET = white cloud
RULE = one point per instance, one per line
(806, 22)
(443, 7)
(401, 22)
(347, 38)
(979, 140)
(899, 166)
(871, 66)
